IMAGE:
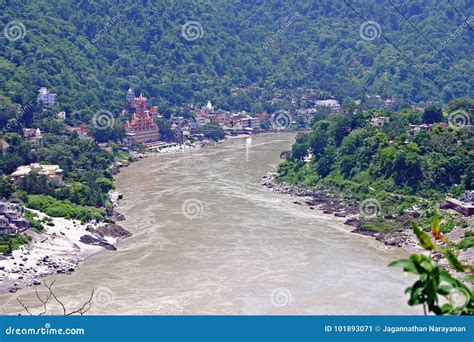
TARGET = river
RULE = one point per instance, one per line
(209, 239)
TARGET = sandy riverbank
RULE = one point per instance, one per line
(59, 248)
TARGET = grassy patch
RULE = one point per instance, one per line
(56, 208)
(469, 233)
(381, 226)
(10, 243)
(466, 243)
(35, 224)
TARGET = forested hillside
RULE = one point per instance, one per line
(90, 52)
(392, 163)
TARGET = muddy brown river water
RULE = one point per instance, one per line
(209, 239)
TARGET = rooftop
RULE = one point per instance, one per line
(35, 167)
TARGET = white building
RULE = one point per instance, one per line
(331, 103)
(209, 106)
(46, 98)
(254, 123)
(379, 121)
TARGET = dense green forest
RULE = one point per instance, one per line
(90, 52)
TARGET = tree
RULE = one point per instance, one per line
(213, 131)
(166, 133)
(104, 184)
(432, 114)
(80, 193)
(114, 133)
(6, 188)
(36, 184)
(460, 104)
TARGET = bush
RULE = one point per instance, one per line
(10, 243)
(35, 224)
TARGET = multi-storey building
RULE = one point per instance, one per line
(142, 127)
(46, 98)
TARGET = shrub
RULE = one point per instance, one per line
(56, 208)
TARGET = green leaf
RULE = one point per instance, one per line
(436, 228)
(467, 277)
(427, 265)
(407, 264)
(444, 290)
(445, 276)
(446, 308)
(453, 260)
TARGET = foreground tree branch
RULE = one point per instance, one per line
(47, 300)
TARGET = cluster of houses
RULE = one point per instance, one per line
(415, 129)
(11, 222)
(232, 123)
(141, 126)
(299, 97)
(236, 123)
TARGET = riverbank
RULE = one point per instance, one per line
(59, 248)
(213, 241)
(64, 244)
(329, 202)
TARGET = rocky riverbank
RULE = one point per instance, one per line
(59, 248)
(329, 202)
